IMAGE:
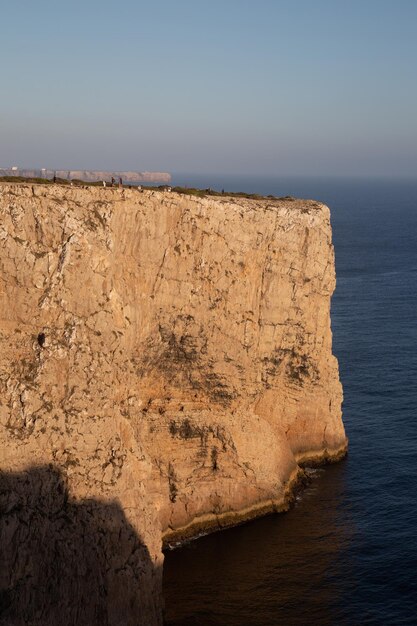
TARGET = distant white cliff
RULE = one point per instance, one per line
(90, 176)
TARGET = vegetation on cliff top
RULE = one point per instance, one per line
(189, 191)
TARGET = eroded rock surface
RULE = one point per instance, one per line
(169, 359)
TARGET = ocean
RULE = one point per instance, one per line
(346, 553)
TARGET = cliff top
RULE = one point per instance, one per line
(245, 200)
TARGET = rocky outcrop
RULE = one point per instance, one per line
(166, 367)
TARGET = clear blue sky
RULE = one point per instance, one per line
(302, 87)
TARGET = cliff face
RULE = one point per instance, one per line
(165, 366)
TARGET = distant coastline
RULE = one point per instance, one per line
(87, 175)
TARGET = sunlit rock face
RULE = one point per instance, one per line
(169, 359)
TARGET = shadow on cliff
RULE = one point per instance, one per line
(70, 562)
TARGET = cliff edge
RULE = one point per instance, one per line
(165, 367)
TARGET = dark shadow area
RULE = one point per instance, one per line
(70, 562)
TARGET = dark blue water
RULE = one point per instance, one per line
(347, 552)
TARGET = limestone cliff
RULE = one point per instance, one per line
(165, 366)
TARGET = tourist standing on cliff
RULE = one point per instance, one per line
(120, 182)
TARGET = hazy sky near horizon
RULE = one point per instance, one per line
(286, 87)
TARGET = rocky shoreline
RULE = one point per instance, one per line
(297, 482)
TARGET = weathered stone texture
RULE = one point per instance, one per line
(169, 356)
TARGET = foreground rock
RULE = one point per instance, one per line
(166, 366)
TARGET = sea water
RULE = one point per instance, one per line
(347, 552)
